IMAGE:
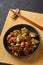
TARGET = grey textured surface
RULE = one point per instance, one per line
(30, 5)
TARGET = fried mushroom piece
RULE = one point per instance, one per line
(9, 36)
(28, 38)
(33, 34)
(12, 39)
(22, 44)
(25, 51)
(27, 44)
(34, 41)
(16, 32)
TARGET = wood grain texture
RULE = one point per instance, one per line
(28, 20)
(37, 58)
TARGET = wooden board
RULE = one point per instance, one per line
(37, 58)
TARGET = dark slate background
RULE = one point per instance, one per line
(30, 5)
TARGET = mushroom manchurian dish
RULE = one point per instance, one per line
(22, 42)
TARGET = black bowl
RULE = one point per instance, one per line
(19, 27)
